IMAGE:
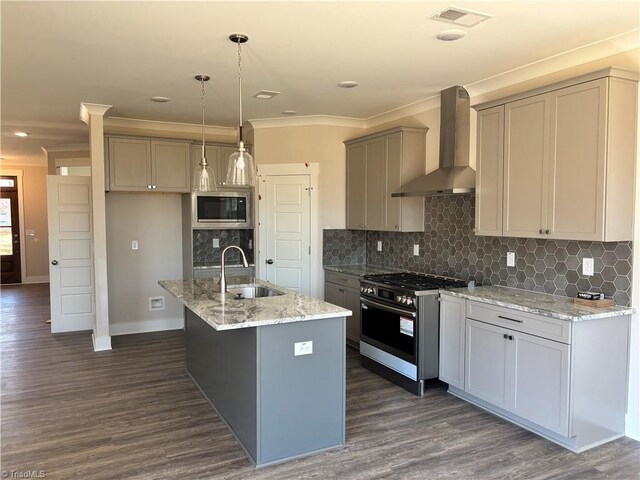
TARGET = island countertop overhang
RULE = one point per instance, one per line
(224, 312)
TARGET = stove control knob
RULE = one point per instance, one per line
(403, 299)
(361, 289)
(399, 299)
(410, 301)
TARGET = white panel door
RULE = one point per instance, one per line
(288, 231)
(70, 253)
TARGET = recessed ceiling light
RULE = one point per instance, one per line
(451, 35)
(160, 99)
(348, 84)
(266, 94)
(289, 112)
(21, 134)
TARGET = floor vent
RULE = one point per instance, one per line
(460, 16)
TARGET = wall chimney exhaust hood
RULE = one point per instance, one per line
(454, 175)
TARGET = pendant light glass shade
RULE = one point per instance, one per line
(204, 178)
(241, 170)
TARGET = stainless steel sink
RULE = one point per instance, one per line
(252, 291)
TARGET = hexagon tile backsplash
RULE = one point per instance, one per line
(449, 247)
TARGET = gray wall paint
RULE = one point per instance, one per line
(448, 246)
(154, 220)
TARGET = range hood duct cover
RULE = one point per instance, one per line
(454, 175)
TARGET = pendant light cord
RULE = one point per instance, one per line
(203, 160)
(240, 84)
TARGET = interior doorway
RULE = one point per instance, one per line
(10, 247)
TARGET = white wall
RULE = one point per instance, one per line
(155, 221)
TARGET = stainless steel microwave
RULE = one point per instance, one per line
(221, 210)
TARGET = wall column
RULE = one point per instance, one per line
(93, 115)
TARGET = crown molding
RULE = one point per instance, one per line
(158, 126)
(308, 120)
(562, 61)
(71, 147)
(405, 111)
(88, 109)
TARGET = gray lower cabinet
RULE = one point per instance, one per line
(565, 381)
(344, 290)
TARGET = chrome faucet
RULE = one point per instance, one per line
(223, 277)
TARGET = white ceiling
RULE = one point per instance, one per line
(57, 54)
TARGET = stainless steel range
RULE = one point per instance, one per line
(400, 326)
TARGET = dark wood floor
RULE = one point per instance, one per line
(133, 413)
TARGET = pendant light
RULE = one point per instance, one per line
(204, 180)
(242, 168)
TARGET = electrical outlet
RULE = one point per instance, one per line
(379, 245)
(156, 303)
(250, 244)
(216, 243)
(511, 259)
(134, 244)
(587, 266)
(416, 249)
(303, 348)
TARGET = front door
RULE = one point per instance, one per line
(9, 231)
(288, 230)
(70, 253)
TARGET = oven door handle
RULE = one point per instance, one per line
(389, 308)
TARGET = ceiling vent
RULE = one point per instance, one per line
(266, 94)
(460, 16)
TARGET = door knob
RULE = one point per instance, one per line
(54, 262)
(269, 261)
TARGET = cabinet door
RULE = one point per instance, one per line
(129, 164)
(170, 166)
(490, 171)
(352, 302)
(223, 163)
(393, 205)
(540, 381)
(356, 173)
(452, 333)
(577, 162)
(486, 368)
(526, 161)
(375, 184)
(213, 155)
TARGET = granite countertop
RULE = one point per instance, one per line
(360, 270)
(218, 266)
(223, 312)
(553, 306)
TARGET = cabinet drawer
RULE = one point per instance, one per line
(345, 280)
(545, 327)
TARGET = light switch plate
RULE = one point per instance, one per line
(303, 348)
(587, 266)
(511, 259)
(216, 243)
(134, 244)
(379, 247)
(416, 249)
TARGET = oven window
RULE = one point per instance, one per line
(383, 330)
(215, 208)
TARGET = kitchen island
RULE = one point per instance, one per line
(272, 367)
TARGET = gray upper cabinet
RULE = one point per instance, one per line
(567, 161)
(356, 186)
(143, 165)
(217, 157)
(377, 166)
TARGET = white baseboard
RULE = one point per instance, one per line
(632, 427)
(37, 279)
(146, 326)
(101, 343)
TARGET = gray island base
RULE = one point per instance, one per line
(278, 405)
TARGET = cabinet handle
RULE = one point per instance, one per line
(547, 232)
(541, 231)
(505, 336)
(154, 186)
(512, 319)
(397, 227)
(510, 337)
(149, 187)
